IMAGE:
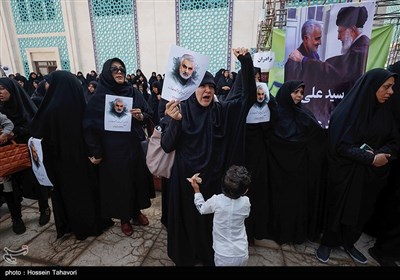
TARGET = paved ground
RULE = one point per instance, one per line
(145, 248)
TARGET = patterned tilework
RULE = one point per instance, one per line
(45, 42)
(37, 16)
(114, 35)
(203, 26)
(302, 3)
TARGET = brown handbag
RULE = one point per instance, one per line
(13, 158)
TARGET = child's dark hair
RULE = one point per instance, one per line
(236, 181)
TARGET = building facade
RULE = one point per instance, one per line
(43, 35)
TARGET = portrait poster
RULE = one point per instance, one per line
(117, 116)
(38, 168)
(185, 70)
(260, 113)
(330, 66)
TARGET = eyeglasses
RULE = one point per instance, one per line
(115, 69)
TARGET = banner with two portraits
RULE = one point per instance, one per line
(327, 48)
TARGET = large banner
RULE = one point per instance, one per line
(327, 48)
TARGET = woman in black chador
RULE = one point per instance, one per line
(296, 159)
(362, 139)
(75, 195)
(202, 132)
(260, 121)
(385, 224)
(124, 181)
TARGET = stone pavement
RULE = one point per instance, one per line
(145, 248)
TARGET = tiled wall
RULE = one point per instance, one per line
(205, 26)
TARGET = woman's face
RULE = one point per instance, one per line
(91, 88)
(205, 94)
(4, 94)
(297, 95)
(385, 91)
(118, 72)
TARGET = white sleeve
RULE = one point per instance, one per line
(204, 207)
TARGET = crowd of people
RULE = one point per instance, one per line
(268, 169)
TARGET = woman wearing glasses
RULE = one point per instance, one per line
(125, 187)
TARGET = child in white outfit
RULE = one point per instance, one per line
(230, 210)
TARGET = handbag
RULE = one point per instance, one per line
(158, 161)
(13, 158)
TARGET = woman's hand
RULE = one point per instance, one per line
(137, 114)
(95, 160)
(240, 51)
(172, 110)
(380, 160)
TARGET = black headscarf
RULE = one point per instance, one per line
(107, 80)
(39, 93)
(57, 104)
(294, 121)
(87, 93)
(395, 99)
(351, 119)
(19, 108)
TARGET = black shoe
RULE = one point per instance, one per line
(380, 260)
(323, 252)
(44, 216)
(357, 255)
(18, 226)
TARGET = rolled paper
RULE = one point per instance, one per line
(195, 177)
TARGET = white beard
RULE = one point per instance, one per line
(346, 43)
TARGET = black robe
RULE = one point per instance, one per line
(353, 182)
(203, 142)
(125, 183)
(385, 223)
(59, 123)
(257, 150)
(296, 157)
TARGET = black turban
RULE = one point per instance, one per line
(352, 16)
